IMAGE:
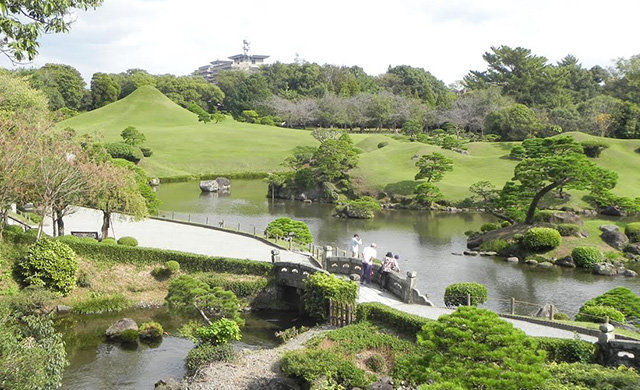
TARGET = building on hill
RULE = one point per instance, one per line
(245, 62)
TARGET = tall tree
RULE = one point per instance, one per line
(104, 90)
(22, 23)
(513, 123)
(433, 167)
(63, 84)
(416, 83)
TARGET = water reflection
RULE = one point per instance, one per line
(424, 240)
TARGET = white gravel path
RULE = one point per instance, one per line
(159, 234)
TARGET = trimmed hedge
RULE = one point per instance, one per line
(541, 239)
(456, 294)
(50, 264)
(385, 316)
(322, 287)
(124, 151)
(621, 298)
(568, 351)
(586, 256)
(597, 314)
(632, 230)
(127, 241)
(188, 261)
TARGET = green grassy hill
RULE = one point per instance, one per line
(184, 146)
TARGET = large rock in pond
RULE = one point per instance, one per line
(566, 261)
(115, 330)
(607, 269)
(209, 186)
(224, 184)
(564, 217)
(612, 235)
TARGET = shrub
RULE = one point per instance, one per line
(150, 331)
(561, 316)
(129, 336)
(621, 298)
(456, 294)
(586, 256)
(383, 144)
(568, 350)
(298, 230)
(632, 230)
(206, 353)
(487, 227)
(83, 279)
(540, 239)
(567, 229)
(127, 241)
(398, 321)
(290, 333)
(517, 152)
(498, 245)
(172, 266)
(219, 332)
(186, 291)
(98, 303)
(109, 241)
(376, 363)
(593, 148)
(580, 376)
(597, 314)
(505, 224)
(363, 208)
(50, 264)
(13, 229)
(321, 287)
(543, 215)
(124, 151)
(147, 152)
(310, 365)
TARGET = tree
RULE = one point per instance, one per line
(625, 121)
(433, 167)
(469, 111)
(416, 83)
(132, 136)
(513, 123)
(63, 84)
(104, 90)
(333, 158)
(552, 163)
(485, 190)
(412, 127)
(22, 23)
(427, 194)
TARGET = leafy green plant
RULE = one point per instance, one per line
(456, 294)
(561, 316)
(108, 241)
(128, 241)
(310, 365)
(567, 350)
(498, 245)
(128, 336)
(51, 264)
(290, 333)
(320, 287)
(98, 303)
(219, 332)
(487, 227)
(206, 353)
(400, 322)
(621, 298)
(172, 266)
(363, 208)
(579, 376)
(187, 292)
(382, 144)
(376, 363)
(124, 151)
(567, 229)
(598, 314)
(150, 331)
(586, 256)
(632, 230)
(593, 148)
(298, 230)
(540, 239)
(543, 215)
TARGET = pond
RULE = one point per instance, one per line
(424, 240)
(101, 365)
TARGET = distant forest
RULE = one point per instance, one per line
(519, 95)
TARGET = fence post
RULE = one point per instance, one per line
(173, 215)
(189, 218)
(207, 221)
(254, 230)
(468, 299)
(238, 226)
(290, 242)
(409, 286)
(513, 306)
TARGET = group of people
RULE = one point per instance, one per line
(389, 264)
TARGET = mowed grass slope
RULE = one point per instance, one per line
(184, 146)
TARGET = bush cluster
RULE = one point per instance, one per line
(543, 215)
(219, 332)
(586, 256)
(567, 229)
(242, 288)
(127, 241)
(321, 287)
(299, 230)
(169, 269)
(398, 321)
(456, 294)
(632, 230)
(124, 151)
(581, 376)
(206, 353)
(568, 350)
(540, 239)
(312, 364)
(50, 264)
(363, 208)
(98, 303)
(598, 314)
(498, 245)
(185, 292)
(487, 227)
(621, 298)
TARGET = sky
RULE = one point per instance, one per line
(445, 37)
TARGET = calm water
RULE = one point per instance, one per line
(100, 365)
(424, 240)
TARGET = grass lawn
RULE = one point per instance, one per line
(183, 146)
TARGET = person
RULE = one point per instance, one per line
(389, 264)
(368, 254)
(355, 245)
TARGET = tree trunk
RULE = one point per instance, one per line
(536, 199)
(60, 225)
(54, 227)
(106, 223)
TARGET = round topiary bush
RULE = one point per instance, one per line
(456, 294)
(586, 256)
(632, 230)
(147, 152)
(172, 267)
(50, 264)
(382, 144)
(127, 241)
(487, 227)
(298, 230)
(150, 331)
(561, 316)
(540, 239)
(597, 314)
(124, 151)
(109, 241)
(505, 223)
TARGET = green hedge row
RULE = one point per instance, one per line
(377, 313)
(567, 350)
(188, 261)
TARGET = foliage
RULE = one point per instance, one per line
(487, 227)
(219, 332)
(543, 215)
(290, 333)
(398, 321)
(514, 123)
(592, 377)
(172, 266)
(321, 287)
(427, 194)
(382, 144)
(479, 350)
(567, 229)
(206, 353)
(132, 136)
(598, 314)
(621, 298)
(127, 241)
(124, 151)
(203, 116)
(150, 331)
(498, 245)
(99, 303)
(593, 148)
(456, 294)
(310, 365)
(50, 264)
(104, 90)
(632, 230)
(433, 167)
(297, 230)
(146, 152)
(362, 208)
(586, 256)
(108, 241)
(541, 239)
(187, 293)
(376, 363)
(568, 350)
(128, 336)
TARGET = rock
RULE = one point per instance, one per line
(584, 234)
(566, 218)
(545, 264)
(531, 262)
(167, 384)
(63, 309)
(488, 253)
(209, 186)
(385, 383)
(543, 312)
(120, 326)
(280, 384)
(154, 182)
(456, 253)
(470, 253)
(629, 273)
(611, 210)
(604, 269)
(633, 248)
(513, 259)
(612, 235)
(566, 261)
(224, 184)
(354, 277)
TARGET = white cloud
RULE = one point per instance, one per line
(446, 37)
